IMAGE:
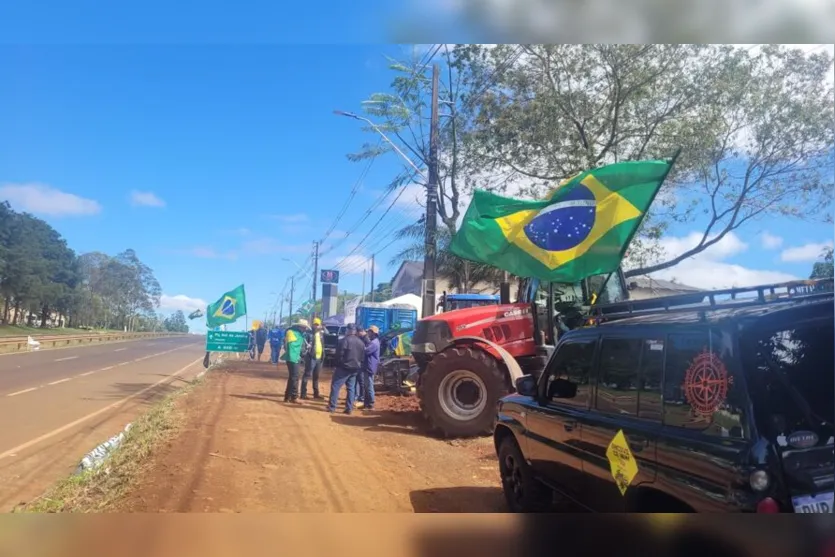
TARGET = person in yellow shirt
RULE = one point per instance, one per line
(313, 363)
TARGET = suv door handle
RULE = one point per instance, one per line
(569, 426)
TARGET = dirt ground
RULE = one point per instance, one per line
(242, 449)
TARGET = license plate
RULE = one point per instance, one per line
(822, 503)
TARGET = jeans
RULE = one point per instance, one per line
(260, 351)
(275, 348)
(368, 389)
(312, 367)
(291, 393)
(348, 378)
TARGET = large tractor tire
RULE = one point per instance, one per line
(459, 390)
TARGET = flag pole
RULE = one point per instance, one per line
(673, 159)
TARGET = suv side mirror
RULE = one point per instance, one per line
(561, 388)
(526, 385)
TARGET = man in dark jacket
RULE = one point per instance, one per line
(350, 358)
(260, 339)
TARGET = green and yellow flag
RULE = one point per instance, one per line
(227, 309)
(581, 229)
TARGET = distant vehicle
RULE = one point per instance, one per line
(451, 302)
(668, 405)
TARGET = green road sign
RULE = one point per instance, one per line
(227, 341)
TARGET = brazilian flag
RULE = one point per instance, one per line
(227, 309)
(582, 228)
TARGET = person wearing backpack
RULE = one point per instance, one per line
(296, 349)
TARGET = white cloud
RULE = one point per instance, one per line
(266, 246)
(809, 252)
(770, 241)
(181, 302)
(45, 200)
(145, 199)
(709, 269)
(206, 252)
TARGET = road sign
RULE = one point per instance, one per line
(329, 276)
(227, 341)
(306, 306)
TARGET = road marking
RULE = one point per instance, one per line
(67, 358)
(23, 391)
(60, 381)
(120, 349)
(53, 433)
(102, 369)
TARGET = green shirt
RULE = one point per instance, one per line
(293, 342)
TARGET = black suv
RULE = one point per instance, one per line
(712, 407)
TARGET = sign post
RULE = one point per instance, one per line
(227, 341)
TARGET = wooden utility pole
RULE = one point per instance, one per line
(292, 286)
(431, 205)
(372, 277)
(363, 285)
(315, 277)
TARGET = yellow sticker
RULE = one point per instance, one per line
(623, 465)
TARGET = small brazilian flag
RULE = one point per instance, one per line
(227, 309)
(581, 229)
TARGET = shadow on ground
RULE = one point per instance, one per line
(406, 423)
(458, 500)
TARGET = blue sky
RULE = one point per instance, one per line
(216, 162)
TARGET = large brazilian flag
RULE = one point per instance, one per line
(582, 228)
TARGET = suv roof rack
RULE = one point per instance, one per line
(766, 294)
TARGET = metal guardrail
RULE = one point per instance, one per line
(20, 344)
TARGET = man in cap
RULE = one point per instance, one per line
(276, 338)
(295, 350)
(350, 358)
(371, 338)
(313, 362)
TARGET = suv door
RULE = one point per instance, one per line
(554, 433)
(627, 398)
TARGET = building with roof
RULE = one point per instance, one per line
(643, 288)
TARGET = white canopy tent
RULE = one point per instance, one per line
(408, 299)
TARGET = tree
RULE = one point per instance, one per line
(755, 128)
(176, 323)
(825, 268)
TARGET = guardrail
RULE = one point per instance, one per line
(20, 344)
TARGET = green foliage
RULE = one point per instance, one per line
(42, 280)
(825, 268)
(176, 323)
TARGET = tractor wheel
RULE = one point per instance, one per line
(459, 391)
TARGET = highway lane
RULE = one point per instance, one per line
(28, 370)
(55, 409)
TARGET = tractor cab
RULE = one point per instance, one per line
(452, 302)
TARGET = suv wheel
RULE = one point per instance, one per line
(523, 493)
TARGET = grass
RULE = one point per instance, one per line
(100, 489)
(18, 331)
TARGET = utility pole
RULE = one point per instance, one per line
(281, 308)
(431, 204)
(363, 285)
(292, 286)
(372, 277)
(315, 277)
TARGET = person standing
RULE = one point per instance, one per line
(260, 339)
(276, 338)
(313, 362)
(350, 357)
(295, 348)
(372, 362)
(360, 396)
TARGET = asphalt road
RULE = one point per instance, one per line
(55, 406)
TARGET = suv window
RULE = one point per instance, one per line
(699, 392)
(652, 370)
(573, 362)
(617, 380)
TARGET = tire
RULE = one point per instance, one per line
(459, 391)
(523, 493)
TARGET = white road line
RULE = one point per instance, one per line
(64, 380)
(67, 358)
(53, 433)
(23, 391)
(120, 349)
(97, 370)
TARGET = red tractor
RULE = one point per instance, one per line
(469, 358)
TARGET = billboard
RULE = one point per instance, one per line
(351, 309)
(329, 276)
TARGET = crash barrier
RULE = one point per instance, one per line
(23, 344)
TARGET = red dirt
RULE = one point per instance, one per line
(242, 449)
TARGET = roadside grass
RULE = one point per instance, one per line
(100, 489)
(19, 331)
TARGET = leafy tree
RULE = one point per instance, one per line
(755, 127)
(825, 268)
(176, 323)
